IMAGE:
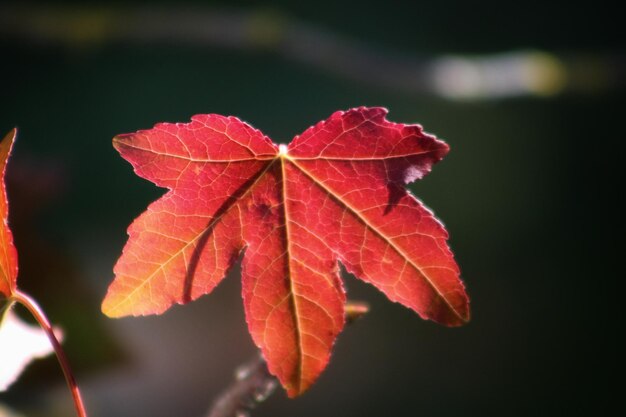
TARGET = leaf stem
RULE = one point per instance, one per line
(6, 304)
(32, 306)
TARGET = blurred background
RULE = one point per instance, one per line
(529, 96)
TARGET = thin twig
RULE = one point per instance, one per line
(32, 306)
(253, 384)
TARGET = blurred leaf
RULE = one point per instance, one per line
(8, 254)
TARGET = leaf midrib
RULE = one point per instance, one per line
(291, 284)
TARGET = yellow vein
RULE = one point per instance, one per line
(189, 158)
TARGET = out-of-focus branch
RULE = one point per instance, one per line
(254, 384)
(509, 74)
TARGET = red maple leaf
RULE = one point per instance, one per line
(336, 193)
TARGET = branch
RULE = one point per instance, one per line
(493, 76)
(253, 384)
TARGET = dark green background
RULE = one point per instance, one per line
(525, 193)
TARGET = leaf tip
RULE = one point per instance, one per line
(457, 316)
(121, 140)
(113, 307)
(108, 310)
(467, 316)
(297, 389)
(7, 144)
(464, 311)
(293, 392)
(12, 134)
